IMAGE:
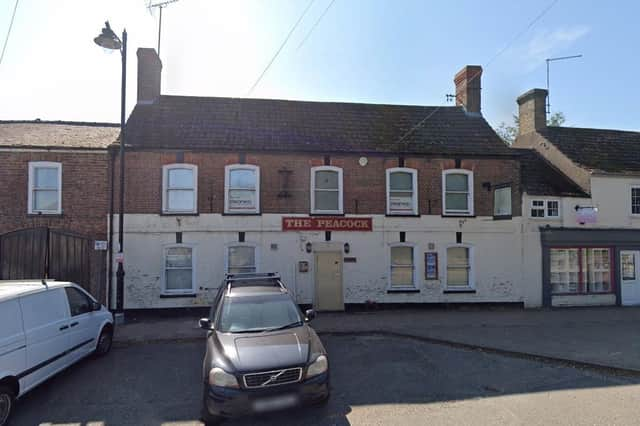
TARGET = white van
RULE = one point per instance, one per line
(45, 326)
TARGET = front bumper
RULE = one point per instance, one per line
(228, 402)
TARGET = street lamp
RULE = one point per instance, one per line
(109, 40)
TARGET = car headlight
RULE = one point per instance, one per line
(319, 366)
(219, 377)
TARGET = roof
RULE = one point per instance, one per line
(599, 150)
(539, 177)
(235, 124)
(57, 134)
(13, 289)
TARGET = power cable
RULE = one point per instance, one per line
(304, 12)
(6, 40)
(316, 24)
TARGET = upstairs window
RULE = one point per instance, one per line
(326, 190)
(459, 268)
(457, 192)
(180, 188)
(545, 208)
(179, 271)
(241, 258)
(402, 194)
(45, 188)
(635, 200)
(502, 201)
(242, 189)
(402, 267)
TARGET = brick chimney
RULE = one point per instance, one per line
(467, 82)
(149, 75)
(532, 111)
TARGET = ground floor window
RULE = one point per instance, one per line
(241, 258)
(459, 268)
(402, 266)
(178, 265)
(580, 270)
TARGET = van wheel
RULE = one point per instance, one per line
(6, 404)
(104, 341)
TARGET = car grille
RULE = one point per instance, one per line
(272, 378)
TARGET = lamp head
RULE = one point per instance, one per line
(108, 39)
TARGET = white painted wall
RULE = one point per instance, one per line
(497, 246)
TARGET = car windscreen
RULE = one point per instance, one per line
(254, 314)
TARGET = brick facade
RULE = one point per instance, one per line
(85, 192)
(364, 187)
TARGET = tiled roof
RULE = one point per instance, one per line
(600, 150)
(281, 125)
(539, 177)
(57, 134)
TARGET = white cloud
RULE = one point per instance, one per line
(547, 43)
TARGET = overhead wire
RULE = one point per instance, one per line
(6, 40)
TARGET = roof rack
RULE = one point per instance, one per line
(246, 277)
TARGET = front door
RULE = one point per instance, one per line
(630, 277)
(329, 281)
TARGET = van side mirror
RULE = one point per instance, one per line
(95, 306)
(310, 314)
(205, 324)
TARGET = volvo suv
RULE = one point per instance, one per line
(261, 353)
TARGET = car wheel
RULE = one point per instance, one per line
(6, 404)
(104, 341)
(207, 418)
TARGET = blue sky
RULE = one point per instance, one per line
(381, 51)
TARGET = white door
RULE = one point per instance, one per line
(82, 328)
(630, 277)
(329, 281)
(46, 326)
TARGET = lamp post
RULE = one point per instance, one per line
(109, 40)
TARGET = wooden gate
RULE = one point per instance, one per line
(48, 253)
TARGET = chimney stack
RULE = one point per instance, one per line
(468, 88)
(532, 112)
(149, 75)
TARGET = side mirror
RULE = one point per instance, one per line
(95, 306)
(310, 314)
(205, 324)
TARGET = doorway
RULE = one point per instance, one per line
(328, 280)
(630, 277)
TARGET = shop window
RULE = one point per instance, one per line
(326, 190)
(457, 192)
(241, 258)
(242, 189)
(580, 270)
(545, 208)
(179, 271)
(402, 266)
(402, 193)
(459, 268)
(45, 188)
(180, 188)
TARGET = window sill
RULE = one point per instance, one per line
(326, 214)
(176, 295)
(179, 214)
(601, 293)
(545, 218)
(42, 214)
(402, 215)
(454, 215)
(509, 217)
(461, 291)
(241, 214)
(402, 290)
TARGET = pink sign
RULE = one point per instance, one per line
(586, 215)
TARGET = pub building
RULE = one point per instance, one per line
(351, 203)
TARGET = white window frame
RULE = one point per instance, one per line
(545, 208)
(165, 187)
(227, 182)
(414, 195)
(192, 290)
(472, 269)
(501, 187)
(450, 212)
(243, 244)
(33, 165)
(631, 200)
(314, 170)
(391, 287)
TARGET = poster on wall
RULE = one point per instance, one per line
(431, 266)
(586, 215)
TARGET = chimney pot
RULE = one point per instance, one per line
(149, 75)
(468, 89)
(532, 111)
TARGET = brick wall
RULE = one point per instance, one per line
(364, 187)
(85, 192)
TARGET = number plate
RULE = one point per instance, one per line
(275, 403)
